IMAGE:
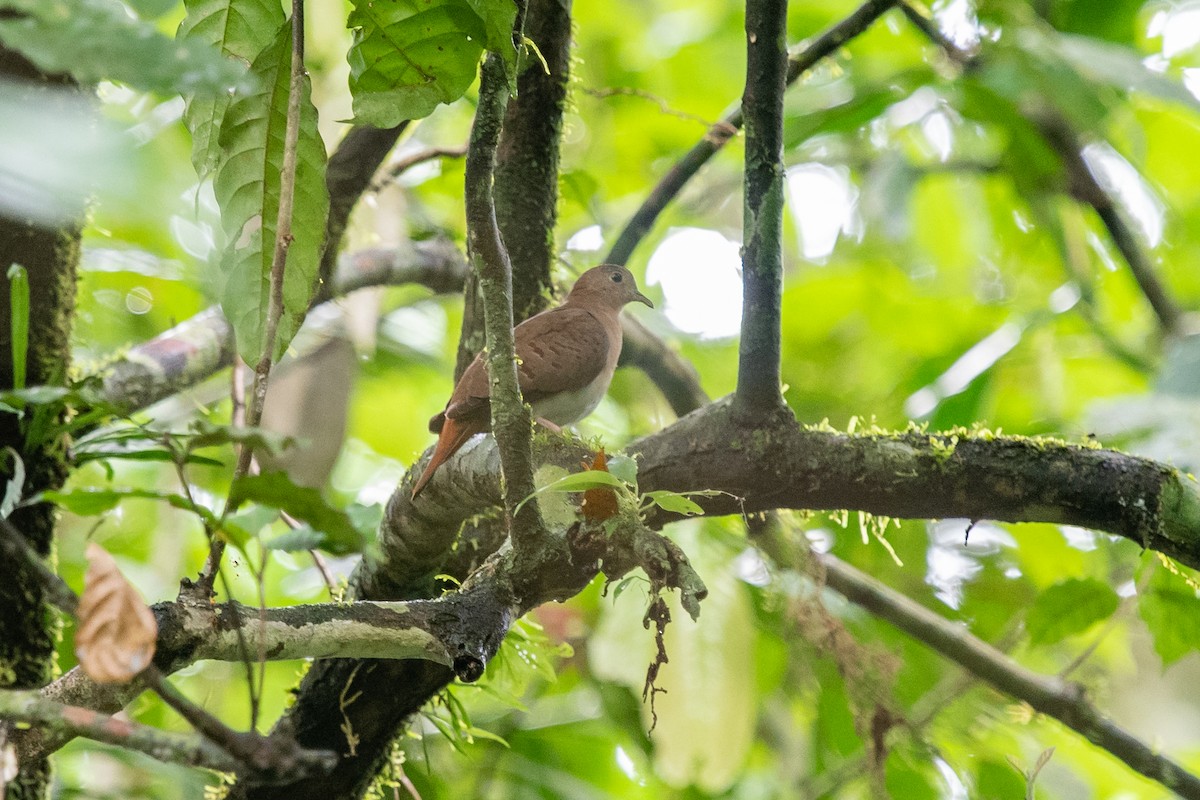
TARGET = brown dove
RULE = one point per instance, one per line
(566, 359)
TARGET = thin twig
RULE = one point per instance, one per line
(719, 134)
(1082, 184)
(405, 163)
(1051, 696)
(642, 94)
(283, 242)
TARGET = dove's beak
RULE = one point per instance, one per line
(641, 298)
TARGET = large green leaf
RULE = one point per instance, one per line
(499, 17)
(410, 55)
(240, 29)
(95, 40)
(305, 504)
(1122, 68)
(1171, 610)
(1069, 607)
(247, 186)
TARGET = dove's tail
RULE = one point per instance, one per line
(453, 435)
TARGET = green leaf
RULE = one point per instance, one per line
(35, 396)
(499, 17)
(1070, 607)
(577, 482)
(673, 502)
(95, 40)
(409, 56)
(623, 467)
(582, 481)
(247, 523)
(302, 538)
(1122, 68)
(18, 289)
(240, 30)
(247, 187)
(275, 489)
(148, 454)
(1171, 610)
(91, 502)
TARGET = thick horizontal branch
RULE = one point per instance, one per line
(920, 475)
(912, 474)
(1051, 696)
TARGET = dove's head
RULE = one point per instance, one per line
(609, 286)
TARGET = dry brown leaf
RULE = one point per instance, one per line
(599, 503)
(117, 632)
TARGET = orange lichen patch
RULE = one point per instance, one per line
(599, 503)
(117, 632)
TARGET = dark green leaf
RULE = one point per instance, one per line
(96, 40)
(498, 17)
(240, 30)
(302, 538)
(1171, 611)
(1069, 607)
(408, 57)
(18, 288)
(91, 502)
(247, 187)
(275, 489)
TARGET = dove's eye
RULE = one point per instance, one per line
(616, 276)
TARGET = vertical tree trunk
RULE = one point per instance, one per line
(527, 172)
(27, 626)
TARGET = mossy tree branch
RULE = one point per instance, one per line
(49, 253)
(758, 383)
(511, 422)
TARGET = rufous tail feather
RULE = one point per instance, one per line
(453, 435)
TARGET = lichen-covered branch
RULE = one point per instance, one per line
(527, 155)
(758, 383)
(511, 422)
(1052, 696)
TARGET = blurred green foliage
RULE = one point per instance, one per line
(935, 269)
